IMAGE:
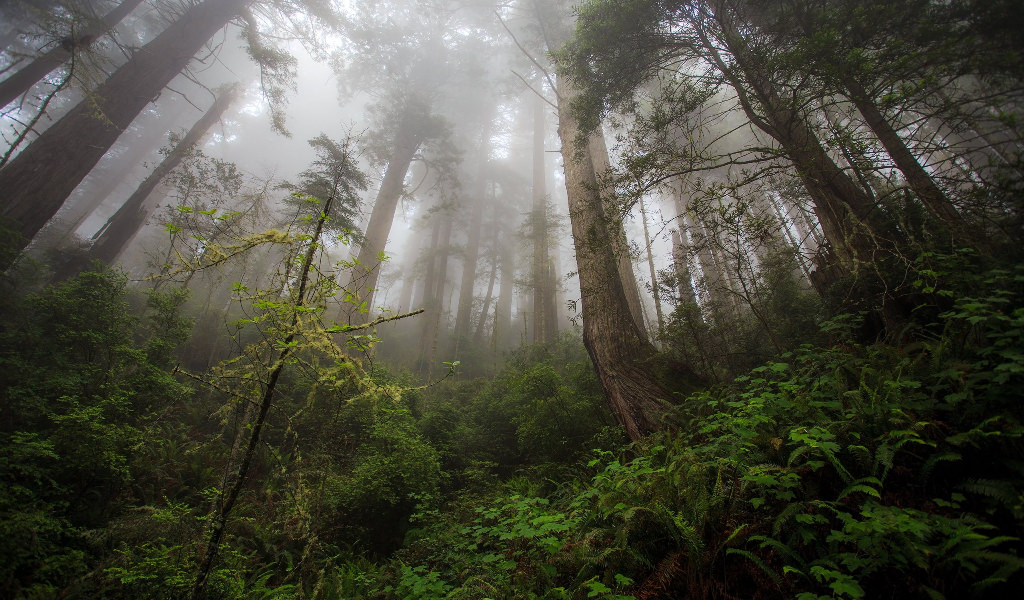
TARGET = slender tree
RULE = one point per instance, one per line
(113, 237)
(539, 226)
(470, 257)
(306, 291)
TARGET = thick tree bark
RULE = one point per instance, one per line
(539, 223)
(365, 274)
(119, 229)
(23, 80)
(100, 184)
(37, 181)
(615, 344)
(598, 151)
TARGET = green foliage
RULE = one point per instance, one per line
(826, 472)
(79, 393)
(544, 407)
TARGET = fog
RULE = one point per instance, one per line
(464, 193)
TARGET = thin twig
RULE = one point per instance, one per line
(527, 54)
(530, 87)
(378, 321)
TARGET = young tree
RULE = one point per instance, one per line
(292, 316)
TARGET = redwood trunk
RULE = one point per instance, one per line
(682, 269)
(502, 332)
(119, 229)
(654, 274)
(26, 77)
(551, 302)
(849, 219)
(434, 300)
(469, 261)
(367, 270)
(598, 151)
(613, 340)
(478, 335)
(37, 181)
(540, 227)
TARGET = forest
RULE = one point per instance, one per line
(511, 299)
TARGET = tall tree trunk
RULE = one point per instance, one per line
(924, 187)
(471, 253)
(551, 302)
(37, 181)
(539, 225)
(723, 277)
(615, 343)
(434, 301)
(363, 281)
(850, 220)
(23, 80)
(114, 236)
(684, 284)
(796, 245)
(654, 273)
(102, 181)
(478, 334)
(502, 332)
(430, 273)
(598, 151)
(713, 282)
(409, 275)
(469, 261)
